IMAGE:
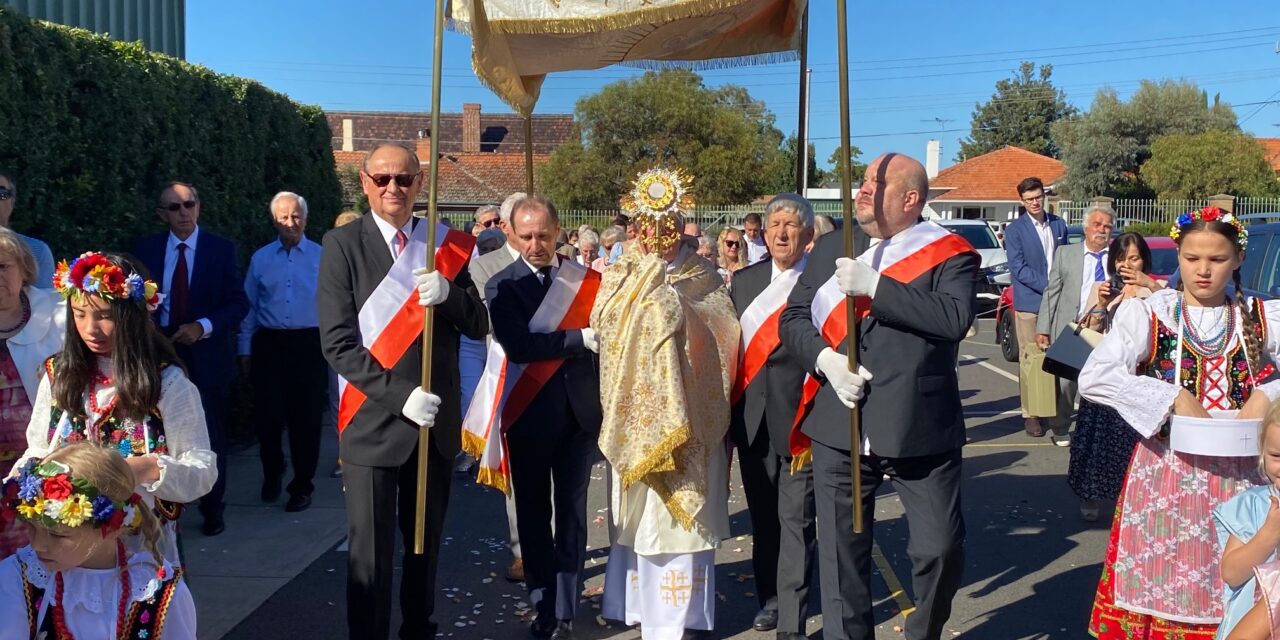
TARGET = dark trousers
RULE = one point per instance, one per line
(379, 499)
(929, 487)
(290, 380)
(552, 470)
(215, 396)
(782, 525)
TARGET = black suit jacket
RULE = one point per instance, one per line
(355, 259)
(774, 395)
(216, 293)
(514, 295)
(909, 344)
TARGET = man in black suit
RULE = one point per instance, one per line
(379, 444)
(553, 442)
(780, 502)
(201, 311)
(912, 424)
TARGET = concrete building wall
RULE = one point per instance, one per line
(161, 25)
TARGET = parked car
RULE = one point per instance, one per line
(994, 274)
(1164, 262)
(1260, 273)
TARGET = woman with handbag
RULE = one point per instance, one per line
(1103, 443)
(1178, 355)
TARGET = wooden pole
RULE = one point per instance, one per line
(528, 153)
(428, 315)
(802, 126)
(850, 308)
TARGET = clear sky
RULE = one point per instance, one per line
(917, 68)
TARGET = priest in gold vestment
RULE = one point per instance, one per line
(668, 340)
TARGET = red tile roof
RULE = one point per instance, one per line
(1272, 146)
(499, 132)
(995, 175)
(471, 179)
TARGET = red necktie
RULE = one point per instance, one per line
(398, 243)
(178, 288)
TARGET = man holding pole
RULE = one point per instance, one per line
(370, 299)
(913, 285)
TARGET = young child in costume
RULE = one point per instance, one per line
(117, 382)
(75, 579)
(1179, 353)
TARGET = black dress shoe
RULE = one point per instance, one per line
(213, 527)
(543, 626)
(564, 631)
(271, 488)
(298, 503)
(766, 620)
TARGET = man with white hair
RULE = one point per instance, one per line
(279, 349)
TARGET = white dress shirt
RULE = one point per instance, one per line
(281, 286)
(555, 264)
(171, 263)
(756, 250)
(1087, 283)
(389, 232)
(1046, 240)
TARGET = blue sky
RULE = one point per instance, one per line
(917, 69)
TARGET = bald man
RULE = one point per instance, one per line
(906, 387)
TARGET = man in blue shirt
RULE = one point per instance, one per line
(280, 347)
(43, 256)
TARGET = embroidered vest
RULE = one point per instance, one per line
(128, 437)
(1194, 370)
(146, 618)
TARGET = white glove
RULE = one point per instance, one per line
(855, 278)
(433, 287)
(590, 340)
(421, 408)
(849, 387)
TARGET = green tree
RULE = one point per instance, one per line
(858, 168)
(1200, 165)
(1105, 148)
(783, 173)
(1020, 113)
(725, 139)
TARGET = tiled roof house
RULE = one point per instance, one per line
(985, 187)
(482, 155)
(1271, 148)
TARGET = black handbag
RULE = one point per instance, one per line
(1067, 354)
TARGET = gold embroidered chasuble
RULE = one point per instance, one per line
(669, 346)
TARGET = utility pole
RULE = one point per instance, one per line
(804, 136)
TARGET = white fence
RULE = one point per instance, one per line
(1143, 210)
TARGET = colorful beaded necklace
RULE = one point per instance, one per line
(1212, 346)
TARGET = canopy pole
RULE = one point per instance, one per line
(802, 127)
(428, 315)
(528, 153)
(850, 307)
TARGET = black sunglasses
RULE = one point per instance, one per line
(488, 223)
(403, 180)
(5, 193)
(174, 206)
(732, 244)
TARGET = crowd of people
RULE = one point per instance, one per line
(656, 347)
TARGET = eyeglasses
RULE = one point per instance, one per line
(403, 180)
(732, 244)
(5, 193)
(493, 222)
(185, 204)
(1039, 198)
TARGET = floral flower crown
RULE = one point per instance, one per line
(93, 273)
(1210, 214)
(46, 493)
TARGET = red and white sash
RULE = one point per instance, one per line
(391, 319)
(760, 328)
(506, 388)
(904, 257)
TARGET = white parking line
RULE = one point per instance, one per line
(987, 365)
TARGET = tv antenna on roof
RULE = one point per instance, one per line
(942, 122)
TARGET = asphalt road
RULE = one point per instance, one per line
(1031, 569)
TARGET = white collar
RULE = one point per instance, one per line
(190, 241)
(515, 255)
(775, 271)
(388, 232)
(555, 263)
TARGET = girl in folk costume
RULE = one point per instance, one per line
(76, 579)
(117, 382)
(1248, 528)
(1180, 353)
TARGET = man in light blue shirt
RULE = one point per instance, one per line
(43, 256)
(280, 347)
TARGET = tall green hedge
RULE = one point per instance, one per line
(93, 127)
